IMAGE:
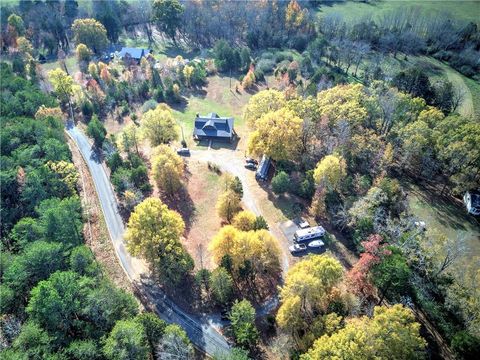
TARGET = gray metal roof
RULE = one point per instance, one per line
(135, 53)
(262, 170)
(213, 125)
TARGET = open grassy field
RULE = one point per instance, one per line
(447, 218)
(437, 70)
(462, 10)
(70, 62)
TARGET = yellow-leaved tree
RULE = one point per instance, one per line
(261, 103)
(228, 204)
(391, 333)
(245, 220)
(67, 173)
(343, 102)
(330, 171)
(44, 112)
(277, 134)
(62, 84)
(153, 233)
(167, 169)
(158, 125)
(308, 287)
(259, 248)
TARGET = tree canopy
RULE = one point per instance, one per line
(153, 232)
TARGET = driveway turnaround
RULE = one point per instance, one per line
(201, 331)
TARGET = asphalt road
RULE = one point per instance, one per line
(201, 331)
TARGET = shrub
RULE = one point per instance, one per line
(149, 105)
(87, 109)
(158, 95)
(465, 345)
(213, 167)
(280, 183)
(259, 75)
(266, 66)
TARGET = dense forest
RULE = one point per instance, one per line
(56, 302)
(348, 134)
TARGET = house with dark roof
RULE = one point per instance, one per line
(135, 54)
(213, 127)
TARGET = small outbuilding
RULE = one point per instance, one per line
(213, 127)
(262, 170)
(472, 202)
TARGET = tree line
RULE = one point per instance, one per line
(57, 302)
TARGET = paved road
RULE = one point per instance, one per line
(202, 331)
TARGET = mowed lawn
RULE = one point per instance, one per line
(449, 218)
(353, 10)
(216, 96)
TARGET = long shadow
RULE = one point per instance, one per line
(453, 214)
(198, 92)
(226, 145)
(179, 105)
(156, 300)
(183, 204)
(97, 155)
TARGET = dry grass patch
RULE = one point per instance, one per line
(204, 187)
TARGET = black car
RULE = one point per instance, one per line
(251, 166)
(251, 161)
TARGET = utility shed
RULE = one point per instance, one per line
(213, 127)
(262, 171)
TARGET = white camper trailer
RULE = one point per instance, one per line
(308, 234)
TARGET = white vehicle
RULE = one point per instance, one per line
(316, 244)
(297, 248)
(472, 202)
(304, 224)
(308, 234)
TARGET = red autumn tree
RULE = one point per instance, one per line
(357, 277)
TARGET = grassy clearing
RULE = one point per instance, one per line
(437, 70)
(217, 97)
(469, 106)
(446, 218)
(70, 62)
(462, 10)
(204, 187)
(474, 87)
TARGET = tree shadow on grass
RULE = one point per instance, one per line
(183, 204)
(179, 105)
(450, 211)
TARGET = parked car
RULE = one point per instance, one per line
(251, 161)
(250, 166)
(316, 244)
(303, 224)
(297, 248)
(183, 151)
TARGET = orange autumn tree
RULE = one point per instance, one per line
(357, 277)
